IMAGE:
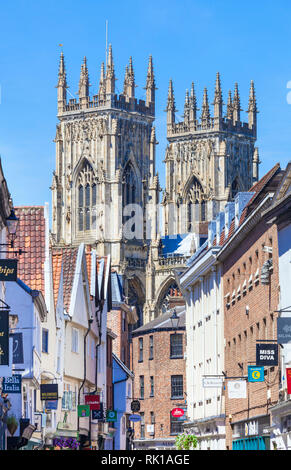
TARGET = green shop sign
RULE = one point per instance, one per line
(111, 416)
(83, 411)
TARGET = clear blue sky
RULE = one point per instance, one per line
(189, 40)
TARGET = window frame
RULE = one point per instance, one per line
(173, 346)
(175, 386)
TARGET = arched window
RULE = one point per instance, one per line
(87, 199)
(196, 204)
(167, 301)
(234, 188)
(129, 186)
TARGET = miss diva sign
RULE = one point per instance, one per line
(267, 354)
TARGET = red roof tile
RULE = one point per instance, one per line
(67, 257)
(31, 238)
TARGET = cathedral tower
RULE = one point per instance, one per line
(208, 160)
(105, 168)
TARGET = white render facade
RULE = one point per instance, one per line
(202, 289)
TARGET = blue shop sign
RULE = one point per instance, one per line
(12, 384)
(135, 418)
(256, 374)
(51, 405)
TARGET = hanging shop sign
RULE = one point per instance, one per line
(98, 414)
(237, 389)
(135, 406)
(256, 374)
(8, 269)
(93, 401)
(177, 412)
(51, 404)
(212, 382)
(267, 354)
(83, 411)
(49, 392)
(284, 330)
(17, 348)
(111, 416)
(288, 379)
(12, 384)
(4, 338)
(135, 418)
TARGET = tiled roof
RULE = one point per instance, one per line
(66, 256)
(30, 238)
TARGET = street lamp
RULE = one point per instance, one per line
(174, 319)
(12, 224)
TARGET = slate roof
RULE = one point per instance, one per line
(116, 287)
(163, 321)
(257, 188)
(30, 238)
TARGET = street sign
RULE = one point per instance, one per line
(8, 269)
(93, 401)
(177, 412)
(267, 354)
(49, 392)
(12, 384)
(135, 418)
(284, 330)
(256, 374)
(212, 382)
(135, 405)
(83, 411)
(111, 416)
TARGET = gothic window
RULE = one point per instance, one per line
(169, 295)
(129, 186)
(234, 188)
(129, 195)
(196, 204)
(87, 198)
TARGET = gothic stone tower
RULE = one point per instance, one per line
(207, 161)
(105, 160)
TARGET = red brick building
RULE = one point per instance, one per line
(120, 320)
(250, 315)
(159, 380)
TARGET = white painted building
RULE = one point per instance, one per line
(201, 287)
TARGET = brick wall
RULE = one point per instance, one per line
(242, 330)
(161, 367)
(120, 345)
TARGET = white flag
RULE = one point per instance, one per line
(237, 389)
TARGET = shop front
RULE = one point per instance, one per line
(281, 425)
(251, 434)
